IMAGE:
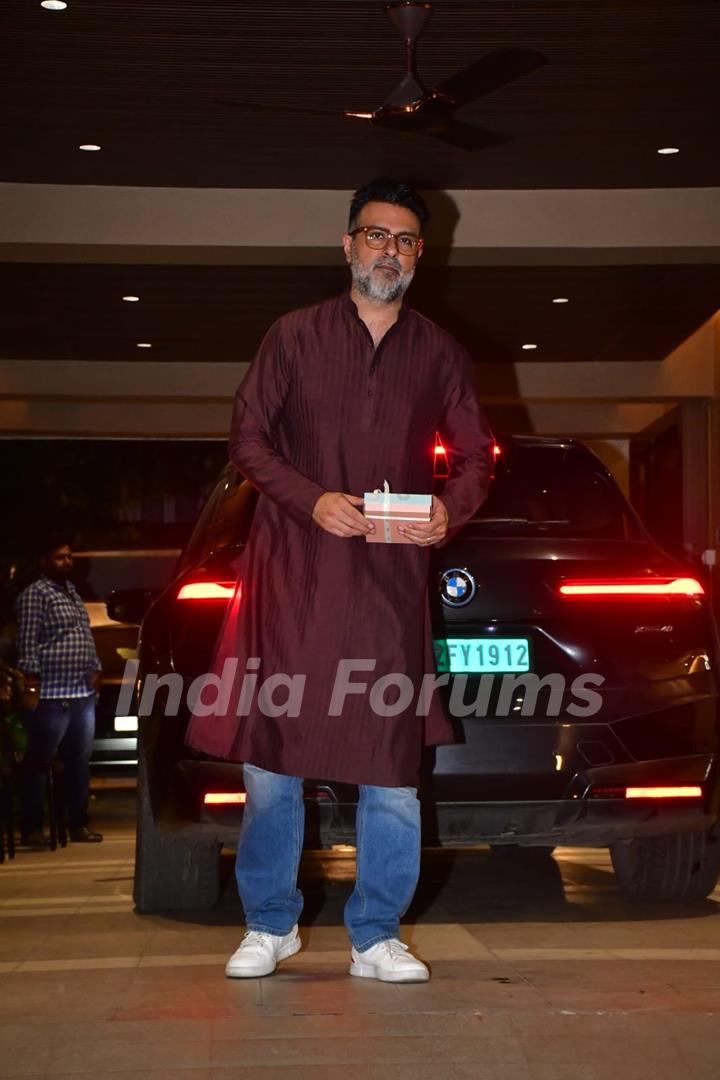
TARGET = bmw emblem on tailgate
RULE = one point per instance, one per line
(457, 587)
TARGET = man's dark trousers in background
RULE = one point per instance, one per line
(65, 727)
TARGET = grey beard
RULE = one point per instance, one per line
(374, 287)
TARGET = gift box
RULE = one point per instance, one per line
(389, 510)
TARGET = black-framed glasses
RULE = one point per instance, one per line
(378, 238)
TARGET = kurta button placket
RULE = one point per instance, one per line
(369, 409)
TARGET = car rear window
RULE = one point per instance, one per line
(554, 491)
(225, 519)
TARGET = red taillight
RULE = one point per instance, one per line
(496, 450)
(207, 590)
(690, 791)
(216, 798)
(441, 470)
(676, 791)
(633, 587)
(226, 798)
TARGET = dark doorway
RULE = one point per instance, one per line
(656, 482)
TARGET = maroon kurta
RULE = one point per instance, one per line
(321, 409)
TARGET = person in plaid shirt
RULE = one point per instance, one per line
(56, 653)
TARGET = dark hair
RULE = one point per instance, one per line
(387, 190)
(52, 541)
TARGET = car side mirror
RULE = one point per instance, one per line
(130, 605)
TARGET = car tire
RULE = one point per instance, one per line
(171, 873)
(681, 866)
(517, 851)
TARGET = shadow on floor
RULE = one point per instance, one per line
(469, 885)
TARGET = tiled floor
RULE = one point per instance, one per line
(540, 972)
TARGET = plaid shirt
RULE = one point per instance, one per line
(55, 640)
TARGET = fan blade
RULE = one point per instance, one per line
(256, 106)
(489, 73)
(469, 137)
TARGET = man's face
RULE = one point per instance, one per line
(382, 275)
(58, 563)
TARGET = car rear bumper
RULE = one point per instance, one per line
(587, 823)
(593, 810)
(579, 818)
(530, 824)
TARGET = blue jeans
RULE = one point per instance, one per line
(66, 728)
(270, 845)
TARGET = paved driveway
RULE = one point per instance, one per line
(540, 972)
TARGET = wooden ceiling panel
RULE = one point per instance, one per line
(144, 80)
(199, 313)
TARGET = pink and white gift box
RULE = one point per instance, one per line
(389, 510)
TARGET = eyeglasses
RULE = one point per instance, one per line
(377, 238)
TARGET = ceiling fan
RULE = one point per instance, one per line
(412, 108)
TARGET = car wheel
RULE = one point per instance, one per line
(682, 866)
(517, 851)
(171, 873)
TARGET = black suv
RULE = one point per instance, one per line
(583, 662)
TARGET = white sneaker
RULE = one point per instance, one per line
(389, 961)
(258, 954)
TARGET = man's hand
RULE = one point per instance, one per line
(96, 682)
(6, 683)
(431, 532)
(27, 688)
(335, 512)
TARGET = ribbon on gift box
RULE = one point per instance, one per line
(385, 492)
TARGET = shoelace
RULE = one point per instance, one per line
(255, 937)
(395, 948)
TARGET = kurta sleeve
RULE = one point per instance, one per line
(259, 402)
(467, 437)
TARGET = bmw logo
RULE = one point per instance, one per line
(457, 587)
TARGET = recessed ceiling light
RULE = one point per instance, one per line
(89, 146)
(53, 5)
(529, 346)
(669, 150)
(144, 345)
(561, 300)
(131, 299)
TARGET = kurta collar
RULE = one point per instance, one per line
(349, 305)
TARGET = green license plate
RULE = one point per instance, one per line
(465, 656)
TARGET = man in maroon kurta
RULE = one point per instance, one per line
(341, 397)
